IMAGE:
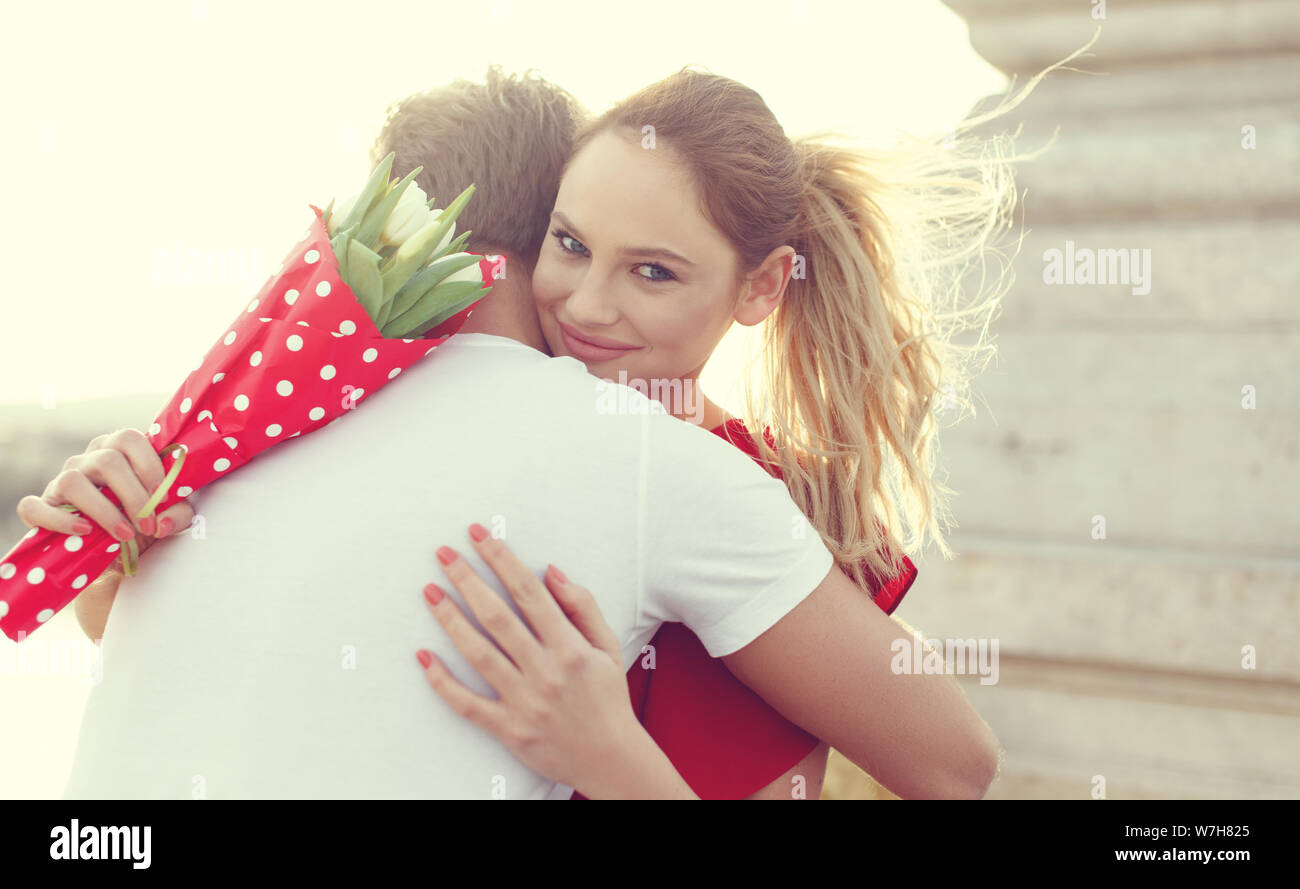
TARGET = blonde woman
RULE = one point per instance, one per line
(686, 208)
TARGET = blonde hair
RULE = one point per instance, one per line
(857, 355)
(509, 135)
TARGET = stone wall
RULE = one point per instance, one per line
(1122, 656)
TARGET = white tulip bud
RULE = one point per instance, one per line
(408, 217)
(446, 239)
(469, 273)
(339, 213)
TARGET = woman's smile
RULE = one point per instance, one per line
(587, 347)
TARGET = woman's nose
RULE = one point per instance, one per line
(589, 303)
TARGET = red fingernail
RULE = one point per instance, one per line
(81, 526)
(478, 532)
(165, 527)
(424, 658)
(559, 575)
(433, 593)
(123, 531)
(147, 526)
(446, 555)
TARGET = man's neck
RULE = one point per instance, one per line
(509, 311)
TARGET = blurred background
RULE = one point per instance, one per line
(1126, 532)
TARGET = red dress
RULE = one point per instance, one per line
(724, 740)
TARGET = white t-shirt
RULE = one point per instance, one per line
(274, 656)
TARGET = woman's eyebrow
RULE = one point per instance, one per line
(659, 252)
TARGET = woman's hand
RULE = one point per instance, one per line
(563, 707)
(123, 461)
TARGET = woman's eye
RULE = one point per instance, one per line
(569, 244)
(659, 273)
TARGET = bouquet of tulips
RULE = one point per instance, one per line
(343, 316)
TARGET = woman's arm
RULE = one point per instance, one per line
(94, 603)
(124, 462)
(563, 707)
(826, 666)
(808, 774)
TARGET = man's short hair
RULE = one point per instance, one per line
(510, 136)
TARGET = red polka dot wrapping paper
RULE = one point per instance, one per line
(301, 355)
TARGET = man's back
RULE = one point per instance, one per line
(274, 655)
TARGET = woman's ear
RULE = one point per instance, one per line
(765, 286)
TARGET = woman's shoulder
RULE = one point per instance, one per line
(890, 591)
(735, 431)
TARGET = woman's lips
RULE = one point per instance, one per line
(586, 350)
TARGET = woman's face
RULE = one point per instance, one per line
(633, 277)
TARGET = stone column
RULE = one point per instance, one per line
(1129, 526)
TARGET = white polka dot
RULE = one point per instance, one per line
(295, 435)
(80, 581)
(255, 359)
(186, 405)
(4, 608)
(264, 320)
(7, 570)
(311, 256)
(273, 430)
(323, 288)
(347, 328)
(213, 427)
(335, 333)
(356, 395)
(217, 378)
(316, 413)
(369, 355)
(241, 402)
(394, 372)
(294, 342)
(291, 296)
(221, 465)
(154, 429)
(114, 548)
(252, 306)
(430, 350)
(408, 341)
(230, 338)
(230, 442)
(184, 491)
(284, 387)
(203, 415)
(44, 614)
(304, 324)
(36, 575)
(72, 544)
(327, 372)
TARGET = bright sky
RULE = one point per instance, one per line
(137, 132)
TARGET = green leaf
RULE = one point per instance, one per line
(434, 307)
(374, 187)
(363, 278)
(455, 245)
(378, 215)
(426, 279)
(339, 246)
